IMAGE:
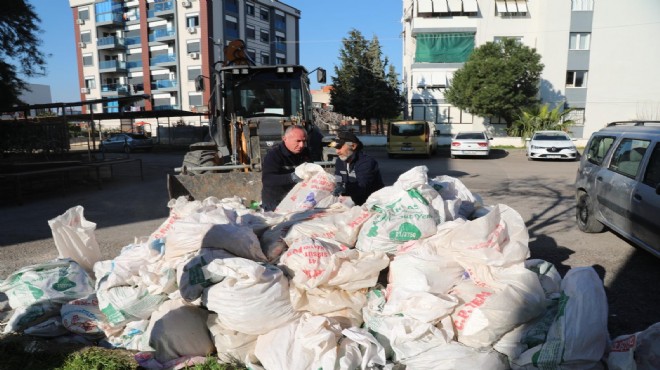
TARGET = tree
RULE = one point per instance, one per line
(19, 53)
(498, 79)
(540, 117)
(361, 89)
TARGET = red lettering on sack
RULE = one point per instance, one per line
(466, 312)
(624, 344)
(492, 241)
(359, 220)
(313, 273)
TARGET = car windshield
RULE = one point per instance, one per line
(551, 137)
(409, 129)
(471, 136)
(138, 136)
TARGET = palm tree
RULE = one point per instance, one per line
(541, 117)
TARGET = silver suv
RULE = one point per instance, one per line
(618, 183)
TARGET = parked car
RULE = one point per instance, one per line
(126, 143)
(618, 183)
(470, 143)
(551, 144)
(412, 137)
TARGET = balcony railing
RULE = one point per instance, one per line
(115, 88)
(164, 84)
(134, 64)
(165, 107)
(109, 42)
(161, 34)
(159, 59)
(132, 40)
(112, 65)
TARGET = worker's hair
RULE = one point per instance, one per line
(294, 127)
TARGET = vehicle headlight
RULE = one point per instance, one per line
(535, 147)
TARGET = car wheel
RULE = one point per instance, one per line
(586, 221)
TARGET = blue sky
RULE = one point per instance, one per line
(323, 24)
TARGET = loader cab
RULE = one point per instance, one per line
(412, 138)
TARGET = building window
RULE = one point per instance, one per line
(88, 60)
(579, 41)
(452, 47)
(265, 36)
(576, 115)
(265, 58)
(280, 22)
(231, 6)
(231, 27)
(264, 14)
(193, 46)
(518, 39)
(251, 54)
(83, 13)
(192, 20)
(195, 99)
(250, 33)
(249, 9)
(86, 37)
(511, 7)
(582, 5)
(280, 43)
(193, 72)
(576, 79)
(90, 82)
(280, 60)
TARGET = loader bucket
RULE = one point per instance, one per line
(246, 185)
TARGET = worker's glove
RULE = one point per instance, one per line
(339, 189)
(295, 178)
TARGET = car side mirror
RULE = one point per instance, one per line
(437, 132)
(320, 76)
(490, 138)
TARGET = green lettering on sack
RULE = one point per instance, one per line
(36, 292)
(415, 194)
(114, 315)
(373, 231)
(63, 284)
(405, 232)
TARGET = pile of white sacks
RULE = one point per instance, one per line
(422, 276)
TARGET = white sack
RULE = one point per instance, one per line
(360, 350)
(455, 356)
(186, 237)
(407, 210)
(231, 346)
(83, 316)
(123, 304)
(177, 329)
(190, 273)
(341, 227)
(56, 281)
(307, 343)
(317, 184)
(74, 238)
(458, 199)
(252, 298)
(639, 351)
(578, 337)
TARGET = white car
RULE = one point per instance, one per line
(551, 145)
(470, 143)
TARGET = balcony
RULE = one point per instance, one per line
(134, 64)
(114, 19)
(165, 60)
(162, 35)
(110, 42)
(166, 107)
(164, 9)
(164, 85)
(110, 66)
(111, 90)
(133, 42)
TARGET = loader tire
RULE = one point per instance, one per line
(199, 158)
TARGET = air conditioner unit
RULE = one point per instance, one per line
(82, 45)
(81, 21)
(193, 55)
(192, 29)
(186, 4)
(84, 90)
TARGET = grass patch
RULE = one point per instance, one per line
(99, 358)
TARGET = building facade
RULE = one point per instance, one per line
(159, 48)
(599, 56)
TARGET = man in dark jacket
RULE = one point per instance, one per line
(277, 174)
(356, 173)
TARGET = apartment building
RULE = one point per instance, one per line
(600, 56)
(159, 47)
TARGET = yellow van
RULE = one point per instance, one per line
(412, 137)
